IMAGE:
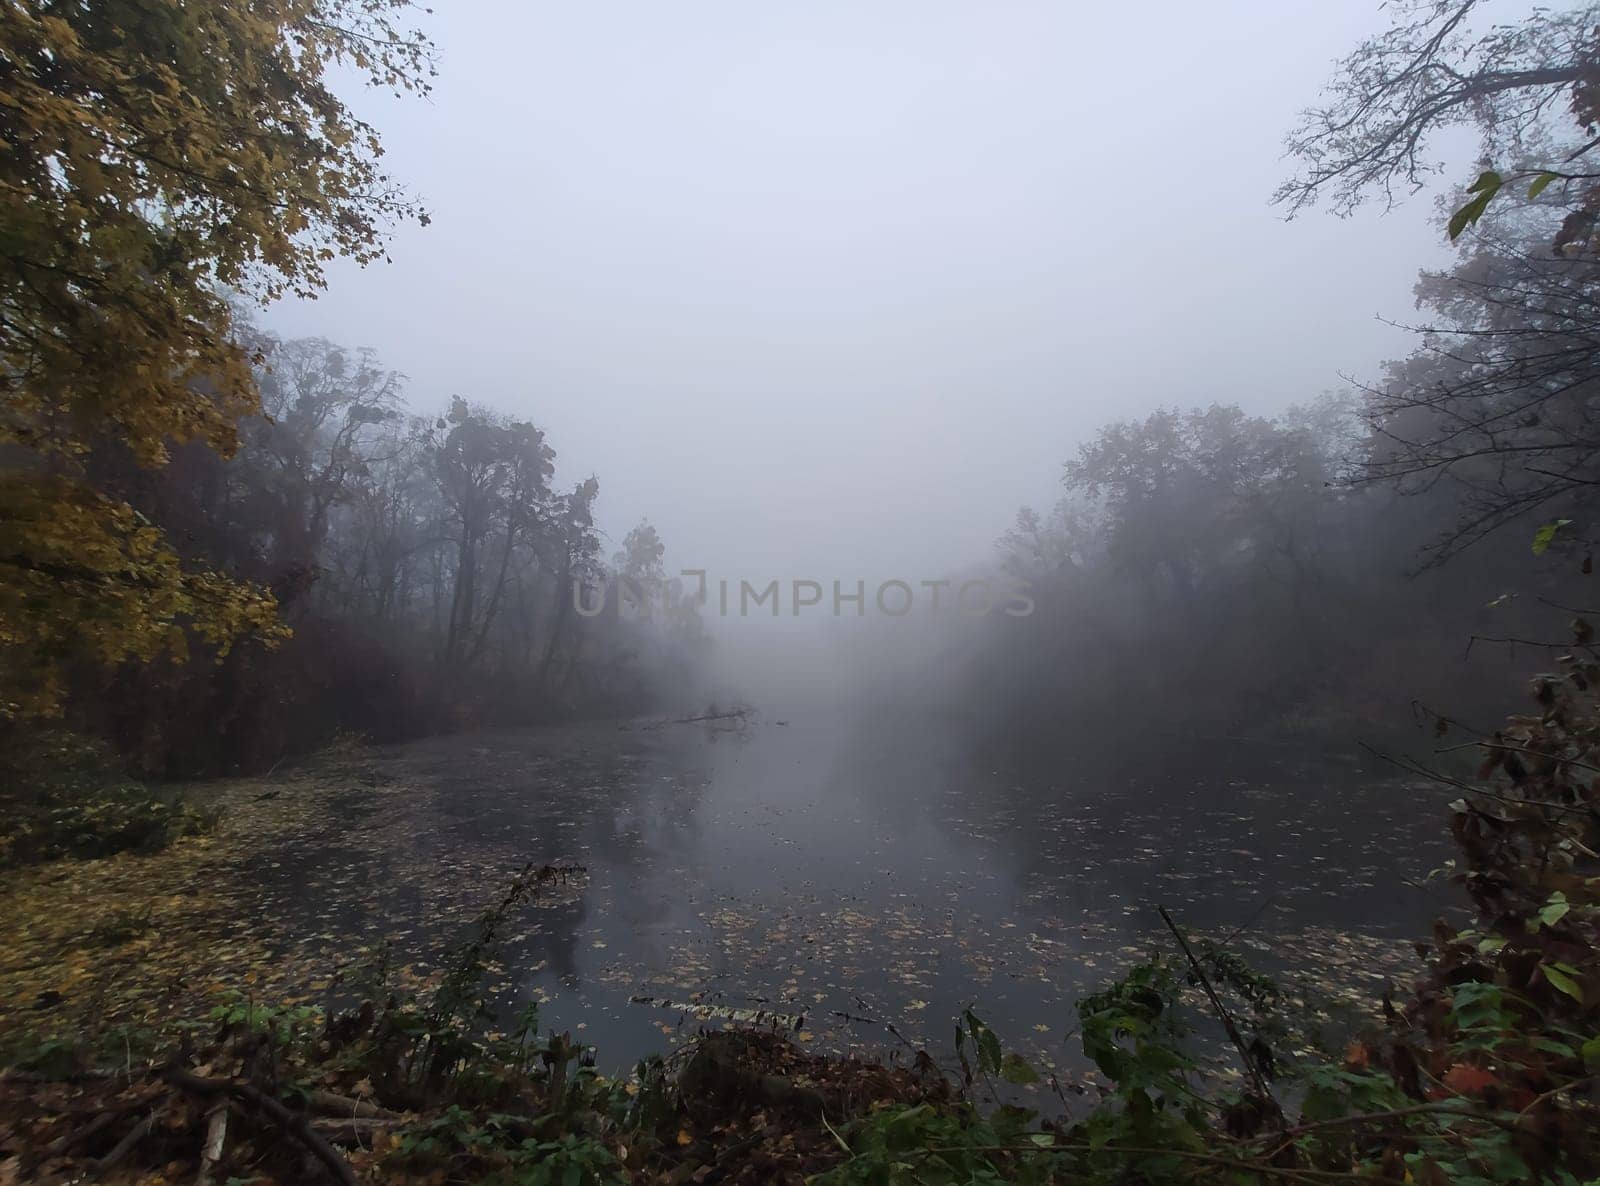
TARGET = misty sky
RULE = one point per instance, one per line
(828, 289)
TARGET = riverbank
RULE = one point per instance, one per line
(787, 867)
(325, 947)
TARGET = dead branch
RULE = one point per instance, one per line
(886, 1024)
(216, 1138)
(354, 1130)
(347, 1106)
(64, 1144)
(295, 1125)
(737, 714)
(122, 1148)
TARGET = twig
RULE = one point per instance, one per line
(1289, 1134)
(1555, 1091)
(1543, 645)
(888, 1025)
(1249, 922)
(1417, 768)
(1222, 1012)
(1502, 747)
(823, 1116)
(1509, 1122)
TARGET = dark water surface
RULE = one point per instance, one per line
(832, 865)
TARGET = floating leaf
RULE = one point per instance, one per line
(1545, 536)
(1015, 1069)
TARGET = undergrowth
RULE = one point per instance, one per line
(1485, 1070)
(63, 796)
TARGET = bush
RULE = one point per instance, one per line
(62, 796)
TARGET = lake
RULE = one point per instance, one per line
(862, 870)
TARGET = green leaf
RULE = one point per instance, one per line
(1043, 1139)
(1563, 982)
(1545, 536)
(989, 1056)
(1591, 1054)
(1555, 910)
(1462, 218)
(1539, 184)
(1487, 185)
(1015, 1069)
(1551, 1046)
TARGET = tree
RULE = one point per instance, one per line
(156, 156)
(315, 440)
(493, 477)
(1429, 71)
(1499, 407)
(1189, 495)
(576, 548)
(1049, 546)
(641, 575)
(1495, 410)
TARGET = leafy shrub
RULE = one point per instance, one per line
(63, 796)
(128, 818)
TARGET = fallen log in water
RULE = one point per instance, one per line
(710, 716)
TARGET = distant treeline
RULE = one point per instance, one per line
(1350, 564)
(426, 567)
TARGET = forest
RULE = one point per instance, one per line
(383, 799)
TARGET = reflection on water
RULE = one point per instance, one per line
(850, 868)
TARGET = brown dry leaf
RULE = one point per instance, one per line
(1466, 1079)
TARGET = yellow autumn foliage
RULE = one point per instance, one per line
(101, 584)
(155, 155)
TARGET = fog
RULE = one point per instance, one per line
(818, 525)
(829, 290)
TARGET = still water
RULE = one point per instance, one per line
(866, 873)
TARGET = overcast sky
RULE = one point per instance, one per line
(829, 288)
